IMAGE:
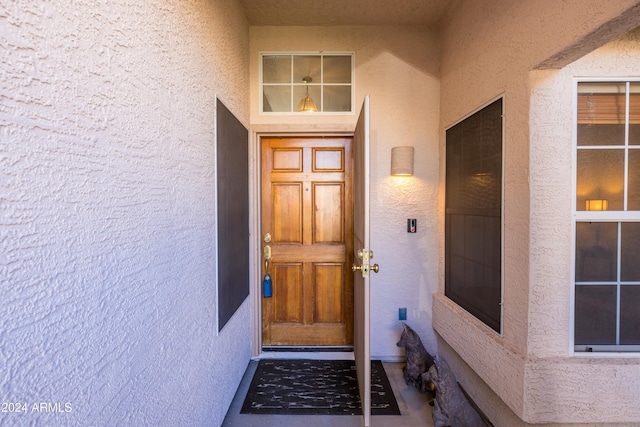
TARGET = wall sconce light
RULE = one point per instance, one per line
(597, 205)
(402, 161)
(306, 104)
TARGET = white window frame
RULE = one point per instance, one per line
(294, 102)
(618, 217)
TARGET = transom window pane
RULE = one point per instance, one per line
(276, 69)
(276, 98)
(337, 69)
(322, 83)
(307, 66)
(337, 98)
(314, 91)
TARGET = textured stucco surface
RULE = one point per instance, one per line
(615, 399)
(107, 191)
(398, 68)
(339, 12)
(489, 49)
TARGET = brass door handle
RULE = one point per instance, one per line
(356, 267)
(375, 268)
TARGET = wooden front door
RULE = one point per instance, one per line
(307, 211)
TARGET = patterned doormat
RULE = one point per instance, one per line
(316, 387)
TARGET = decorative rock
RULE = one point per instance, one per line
(451, 407)
(418, 359)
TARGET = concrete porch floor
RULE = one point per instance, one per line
(414, 408)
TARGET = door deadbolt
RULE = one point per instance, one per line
(365, 268)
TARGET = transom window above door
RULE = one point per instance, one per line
(306, 83)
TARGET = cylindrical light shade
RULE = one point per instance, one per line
(402, 161)
(597, 204)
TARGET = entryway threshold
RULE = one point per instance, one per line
(309, 353)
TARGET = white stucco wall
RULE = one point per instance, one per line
(107, 213)
(398, 67)
(489, 48)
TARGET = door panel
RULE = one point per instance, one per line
(287, 206)
(328, 213)
(329, 292)
(287, 160)
(361, 346)
(307, 202)
(288, 307)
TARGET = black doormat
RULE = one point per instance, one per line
(316, 387)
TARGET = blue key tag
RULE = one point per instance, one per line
(266, 285)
